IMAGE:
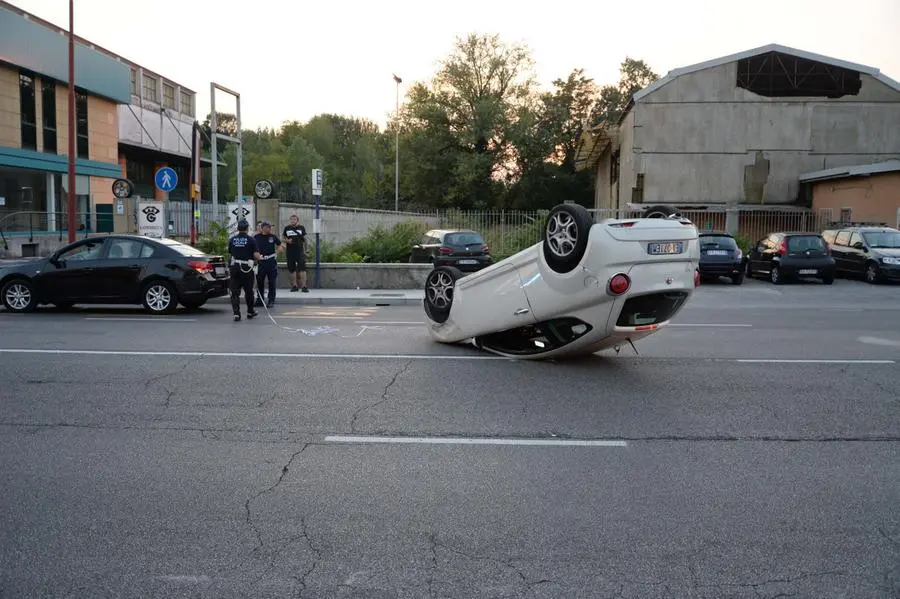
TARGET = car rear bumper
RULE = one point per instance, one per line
(807, 268)
(721, 269)
(465, 263)
(197, 288)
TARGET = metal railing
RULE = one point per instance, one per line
(42, 224)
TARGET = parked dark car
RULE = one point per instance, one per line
(786, 256)
(720, 256)
(865, 250)
(463, 249)
(118, 269)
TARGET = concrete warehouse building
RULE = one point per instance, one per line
(741, 129)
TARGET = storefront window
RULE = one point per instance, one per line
(23, 200)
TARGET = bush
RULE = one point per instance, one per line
(216, 241)
(385, 245)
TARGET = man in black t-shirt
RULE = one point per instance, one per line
(267, 245)
(294, 235)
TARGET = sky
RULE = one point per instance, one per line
(293, 59)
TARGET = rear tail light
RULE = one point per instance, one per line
(740, 254)
(486, 249)
(696, 278)
(618, 284)
(628, 224)
(782, 248)
(201, 267)
(444, 250)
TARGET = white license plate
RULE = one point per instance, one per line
(717, 253)
(808, 271)
(468, 261)
(657, 249)
(220, 271)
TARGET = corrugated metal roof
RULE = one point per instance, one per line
(842, 172)
(716, 62)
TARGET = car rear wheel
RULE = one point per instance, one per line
(872, 274)
(566, 236)
(775, 275)
(439, 287)
(159, 297)
(18, 296)
(661, 212)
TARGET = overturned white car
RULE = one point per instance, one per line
(585, 287)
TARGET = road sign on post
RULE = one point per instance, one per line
(151, 219)
(317, 225)
(166, 179)
(238, 212)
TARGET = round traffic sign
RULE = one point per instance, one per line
(122, 188)
(263, 189)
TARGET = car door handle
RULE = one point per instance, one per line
(521, 311)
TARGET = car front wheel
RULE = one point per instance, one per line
(439, 287)
(18, 296)
(872, 274)
(159, 297)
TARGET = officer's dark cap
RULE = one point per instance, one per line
(265, 223)
(243, 225)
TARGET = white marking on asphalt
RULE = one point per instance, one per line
(476, 441)
(207, 354)
(879, 341)
(410, 322)
(817, 361)
(124, 319)
(710, 325)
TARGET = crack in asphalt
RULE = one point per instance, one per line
(318, 553)
(384, 395)
(249, 518)
(435, 544)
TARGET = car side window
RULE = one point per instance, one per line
(854, 239)
(86, 251)
(829, 236)
(842, 238)
(129, 249)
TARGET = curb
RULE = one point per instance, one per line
(383, 300)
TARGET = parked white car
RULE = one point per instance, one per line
(584, 288)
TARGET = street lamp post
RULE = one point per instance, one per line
(397, 148)
(72, 140)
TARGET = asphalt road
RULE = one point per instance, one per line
(751, 451)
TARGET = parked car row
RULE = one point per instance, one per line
(856, 250)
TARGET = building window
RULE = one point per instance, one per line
(187, 104)
(48, 109)
(28, 111)
(81, 120)
(134, 88)
(168, 96)
(150, 89)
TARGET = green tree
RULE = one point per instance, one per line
(634, 75)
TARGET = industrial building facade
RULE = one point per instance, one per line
(741, 129)
(130, 122)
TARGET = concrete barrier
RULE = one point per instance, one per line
(337, 275)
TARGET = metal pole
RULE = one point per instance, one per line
(214, 148)
(191, 179)
(318, 255)
(72, 128)
(397, 148)
(240, 154)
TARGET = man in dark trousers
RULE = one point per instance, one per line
(267, 243)
(294, 236)
(243, 251)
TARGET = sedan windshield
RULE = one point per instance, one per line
(883, 239)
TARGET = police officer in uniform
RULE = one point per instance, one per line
(266, 243)
(243, 251)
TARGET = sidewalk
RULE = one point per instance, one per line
(347, 297)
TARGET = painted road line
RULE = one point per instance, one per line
(125, 319)
(398, 322)
(760, 361)
(710, 325)
(477, 441)
(206, 354)
(879, 341)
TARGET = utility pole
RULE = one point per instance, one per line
(72, 128)
(397, 148)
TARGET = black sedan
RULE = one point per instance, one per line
(720, 256)
(118, 269)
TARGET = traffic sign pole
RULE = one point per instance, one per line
(317, 191)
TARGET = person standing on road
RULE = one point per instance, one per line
(268, 264)
(294, 236)
(243, 251)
